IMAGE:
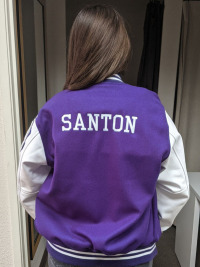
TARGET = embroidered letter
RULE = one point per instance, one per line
(131, 124)
(66, 121)
(114, 123)
(79, 122)
(106, 117)
(92, 121)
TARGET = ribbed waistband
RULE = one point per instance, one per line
(85, 258)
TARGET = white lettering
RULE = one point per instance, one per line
(131, 124)
(121, 123)
(92, 121)
(106, 117)
(66, 121)
(79, 123)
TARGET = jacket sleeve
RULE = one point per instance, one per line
(32, 168)
(172, 184)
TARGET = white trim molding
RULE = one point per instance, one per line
(9, 84)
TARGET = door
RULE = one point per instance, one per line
(33, 88)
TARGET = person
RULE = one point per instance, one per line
(102, 166)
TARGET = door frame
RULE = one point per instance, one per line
(12, 127)
(13, 130)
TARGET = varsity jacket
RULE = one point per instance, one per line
(102, 172)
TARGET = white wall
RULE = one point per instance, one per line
(11, 253)
(188, 85)
(169, 53)
(6, 249)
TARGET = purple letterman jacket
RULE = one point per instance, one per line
(102, 171)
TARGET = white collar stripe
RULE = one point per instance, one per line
(115, 77)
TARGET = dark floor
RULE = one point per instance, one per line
(166, 256)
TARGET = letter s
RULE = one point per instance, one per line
(64, 120)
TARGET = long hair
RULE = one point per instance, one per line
(99, 46)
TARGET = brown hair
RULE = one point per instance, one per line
(98, 47)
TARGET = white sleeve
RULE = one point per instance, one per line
(172, 184)
(32, 169)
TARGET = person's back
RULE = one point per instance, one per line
(108, 142)
(101, 155)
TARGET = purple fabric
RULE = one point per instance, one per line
(99, 263)
(101, 193)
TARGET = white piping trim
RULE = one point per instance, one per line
(102, 254)
(106, 258)
(113, 78)
(117, 75)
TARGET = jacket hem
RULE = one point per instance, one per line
(83, 258)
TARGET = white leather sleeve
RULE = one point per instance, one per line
(173, 184)
(32, 169)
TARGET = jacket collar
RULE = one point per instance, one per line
(114, 77)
